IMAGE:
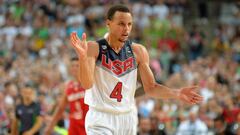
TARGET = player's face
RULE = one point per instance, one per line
(120, 26)
(74, 68)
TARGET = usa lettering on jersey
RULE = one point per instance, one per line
(119, 63)
(117, 66)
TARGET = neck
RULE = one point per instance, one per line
(26, 102)
(114, 43)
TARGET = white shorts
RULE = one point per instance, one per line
(103, 123)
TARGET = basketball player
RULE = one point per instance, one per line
(74, 96)
(108, 68)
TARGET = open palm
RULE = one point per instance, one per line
(79, 45)
(190, 95)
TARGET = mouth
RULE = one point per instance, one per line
(125, 35)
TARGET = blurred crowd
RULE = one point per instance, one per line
(185, 49)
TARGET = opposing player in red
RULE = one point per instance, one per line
(74, 96)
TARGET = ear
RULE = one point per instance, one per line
(107, 23)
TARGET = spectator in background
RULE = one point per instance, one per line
(144, 126)
(27, 114)
(157, 128)
(193, 125)
(230, 111)
(195, 42)
(221, 127)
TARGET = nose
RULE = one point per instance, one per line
(127, 28)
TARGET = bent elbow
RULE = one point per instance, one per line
(149, 92)
(86, 83)
(149, 89)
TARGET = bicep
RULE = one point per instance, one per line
(146, 75)
(145, 71)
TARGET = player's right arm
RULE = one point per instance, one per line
(87, 53)
(57, 114)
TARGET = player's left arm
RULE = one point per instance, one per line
(155, 90)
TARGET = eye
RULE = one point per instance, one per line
(121, 24)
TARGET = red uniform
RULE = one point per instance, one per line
(75, 96)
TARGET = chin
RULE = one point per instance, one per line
(122, 40)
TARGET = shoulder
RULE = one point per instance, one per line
(140, 52)
(92, 43)
(93, 48)
(138, 48)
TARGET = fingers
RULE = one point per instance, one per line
(195, 99)
(84, 37)
(191, 96)
(75, 36)
(76, 40)
(73, 39)
(84, 40)
(194, 94)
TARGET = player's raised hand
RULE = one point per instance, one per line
(190, 95)
(79, 45)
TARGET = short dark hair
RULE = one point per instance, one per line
(74, 59)
(115, 8)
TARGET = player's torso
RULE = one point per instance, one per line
(114, 79)
(75, 96)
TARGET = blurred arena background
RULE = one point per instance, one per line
(189, 41)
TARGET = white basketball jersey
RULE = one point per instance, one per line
(115, 80)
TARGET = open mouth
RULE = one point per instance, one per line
(125, 35)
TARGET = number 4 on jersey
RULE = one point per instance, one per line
(117, 92)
